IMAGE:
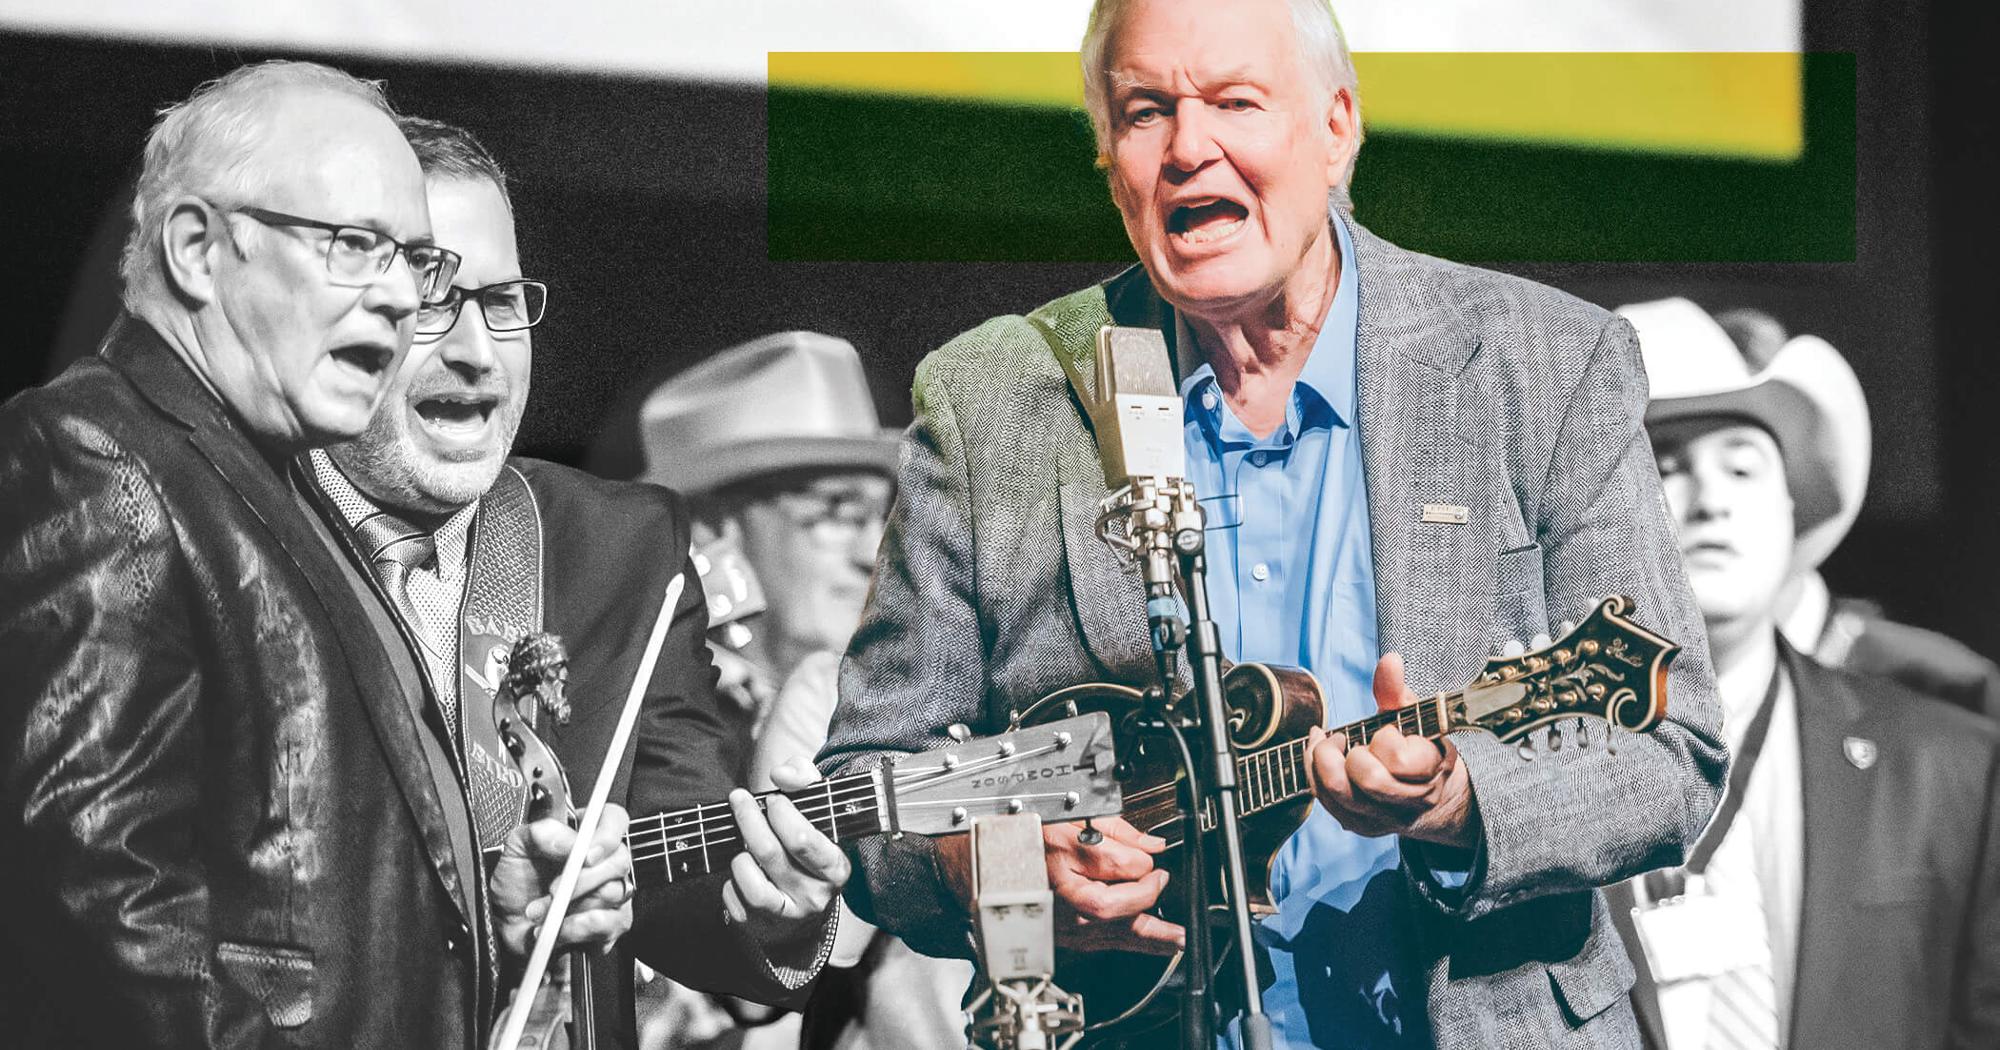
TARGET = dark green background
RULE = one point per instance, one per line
(862, 177)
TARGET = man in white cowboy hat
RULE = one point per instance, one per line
(1851, 633)
(778, 446)
(1848, 891)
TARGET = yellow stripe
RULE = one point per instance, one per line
(1748, 104)
(1029, 78)
(1737, 103)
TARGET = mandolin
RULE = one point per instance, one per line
(1608, 669)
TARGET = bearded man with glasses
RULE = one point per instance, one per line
(510, 545)
(225, 821)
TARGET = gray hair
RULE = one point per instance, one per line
(447, 151)
(1322, 49)
(209, 145)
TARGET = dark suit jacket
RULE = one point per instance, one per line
(609, 550)
(218, 828)
(1931, 663)
(1899, 928)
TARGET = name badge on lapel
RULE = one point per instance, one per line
(1445, 514)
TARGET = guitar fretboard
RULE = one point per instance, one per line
(699, 840)
(1277, 774)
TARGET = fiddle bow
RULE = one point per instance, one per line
(561, 1011)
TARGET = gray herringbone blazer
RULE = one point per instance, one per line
(1476, 389)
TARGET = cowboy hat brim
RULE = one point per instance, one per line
(744, 460)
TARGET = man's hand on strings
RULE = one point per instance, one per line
(532, 859)
(1103, 893)
(1398, 784)
(789, 874)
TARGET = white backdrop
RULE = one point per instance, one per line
(727, 40)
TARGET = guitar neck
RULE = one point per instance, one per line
(1277, 774)
(700, 840)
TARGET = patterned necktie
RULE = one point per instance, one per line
(1743, 1002)
(394, 548)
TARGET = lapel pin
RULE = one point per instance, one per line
(1860, 751)
(1445, 513)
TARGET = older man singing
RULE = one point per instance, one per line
(1424, 460)
(227, 821)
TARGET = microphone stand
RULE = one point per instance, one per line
(1211, 712)
(1164, 530)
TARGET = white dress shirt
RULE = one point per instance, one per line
(1769, 827)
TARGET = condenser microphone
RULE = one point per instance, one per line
(1021, 1008)
(1141, 442)
(1139, 416)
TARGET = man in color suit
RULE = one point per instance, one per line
(1427, 461)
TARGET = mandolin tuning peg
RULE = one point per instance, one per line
(1539, 641)
(1527, 749)
(1556, 737)
(1512, 647)
(1565, 627)
(1582, 733)
(959, 731)
(1089, 836)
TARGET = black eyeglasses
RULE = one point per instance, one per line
(356, 255)
(509, 306)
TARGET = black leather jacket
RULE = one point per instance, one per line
(217, 826)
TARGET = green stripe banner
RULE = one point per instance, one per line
(1480, 156)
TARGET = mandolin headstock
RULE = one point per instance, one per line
(1607, 668)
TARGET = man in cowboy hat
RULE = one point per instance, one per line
(1848, 891)
(1850, 633)
(777, 444)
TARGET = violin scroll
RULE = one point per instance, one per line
(537, 672)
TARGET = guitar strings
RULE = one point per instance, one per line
(849, 787)
(1273, 773)
(1276, 774)
(662, 835)
(844, 790)
(820, 801)
(825, 802)
(703, 845)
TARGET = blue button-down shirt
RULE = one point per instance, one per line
(1291, 582)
